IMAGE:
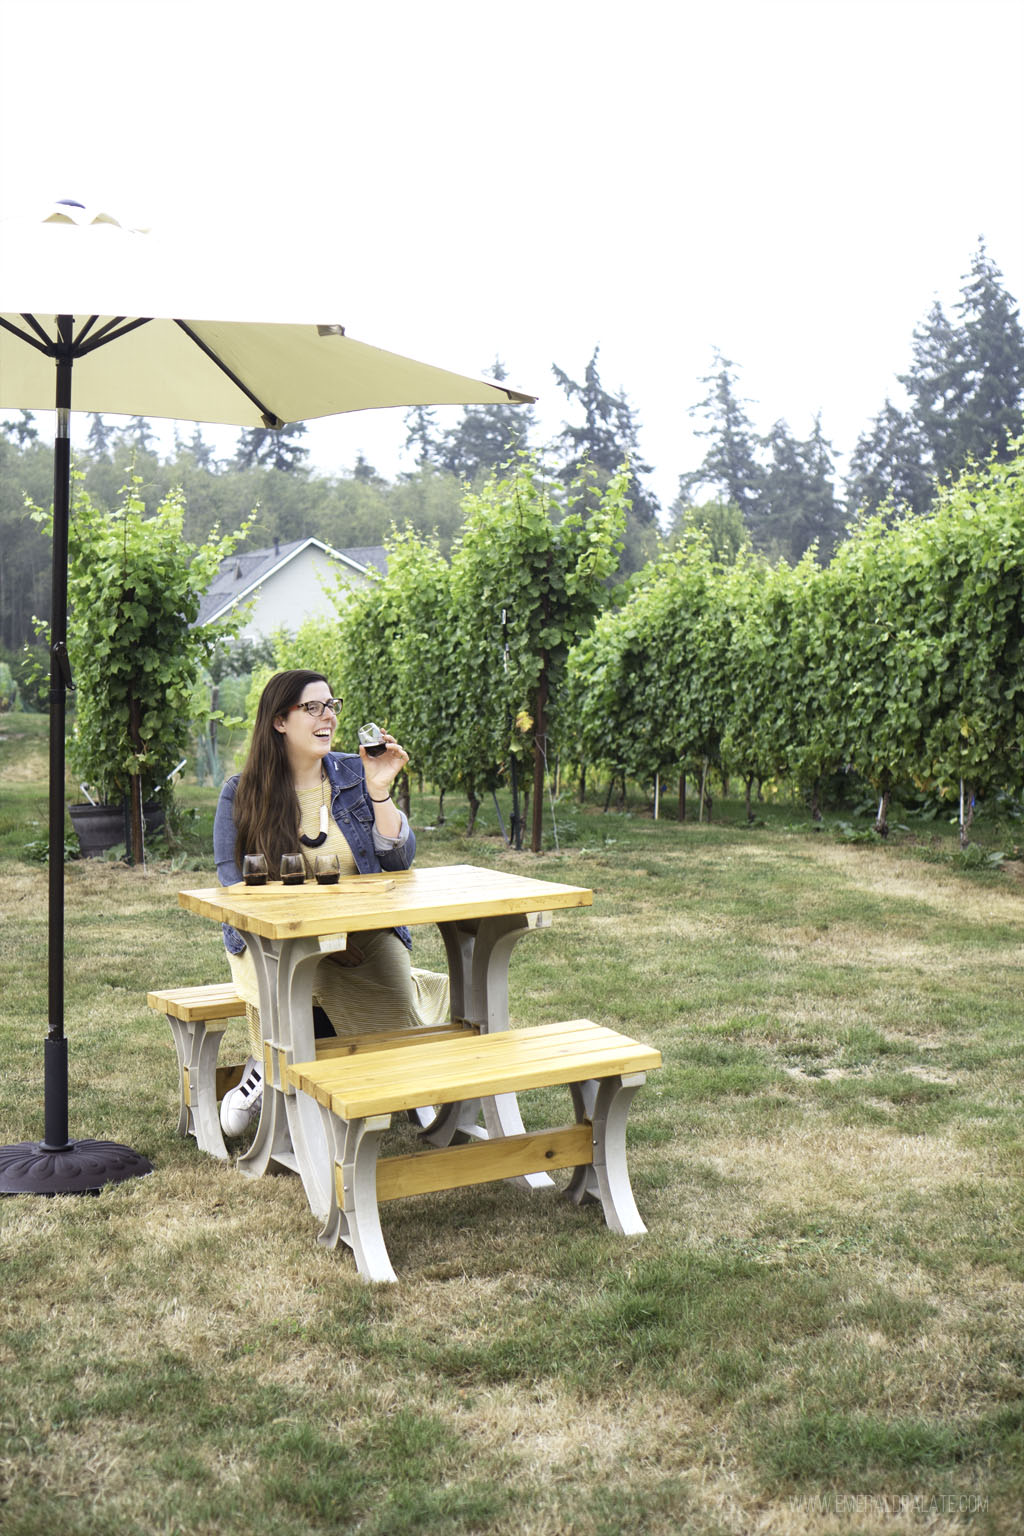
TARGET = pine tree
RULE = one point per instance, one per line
(200, 450)
(730, 467)
(607, 438)
(21, 432)
(271, 448)
(99, 436)
(139, 434)
(797, 506)
(421, 434)
(966, 382)
(889, 465)
(364, 472)
(486, 438)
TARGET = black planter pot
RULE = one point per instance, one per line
(102, 827)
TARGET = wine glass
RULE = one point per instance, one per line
(293, 869)
(254, 869)
(327, 869)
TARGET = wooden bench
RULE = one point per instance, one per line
(198, 1017)
(360, 1087)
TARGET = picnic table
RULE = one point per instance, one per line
(309, 1111)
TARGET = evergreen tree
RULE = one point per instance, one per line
(607, 438)
(966, 382)
(888, 464)
(272, 448)
(139, 434)
(421, 434)
(100, 436)
(364, 472)
(200, 451)
(798, 506)
(486, 438)
(23, 431)
(730, 467)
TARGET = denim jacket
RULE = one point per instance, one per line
(351, 809)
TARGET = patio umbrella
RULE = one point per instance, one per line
(100, 318)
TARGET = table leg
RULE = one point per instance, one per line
(290, 1132)
(271, 1142)
(605, 1104)
(478, 959)
(353, 1216)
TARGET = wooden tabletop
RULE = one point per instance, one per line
(445, 893)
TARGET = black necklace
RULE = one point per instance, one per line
(318, 842)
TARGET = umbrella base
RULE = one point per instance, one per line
(80, 1168)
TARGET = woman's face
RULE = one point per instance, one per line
(307, 736)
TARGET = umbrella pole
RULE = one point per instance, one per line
(57, 1166)
(55, 1060)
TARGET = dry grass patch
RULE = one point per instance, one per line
(827, 1302)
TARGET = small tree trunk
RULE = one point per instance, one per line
(138, 848)
(440, 809)
(621, 801)
(474, 806)
(404, 796)
(582, 791)
(611, 787)
(966, 813)
(212, 733)
(882, 819)
(682, 797)
(540, 747)
(705, 793)
(816, 800)
(750, 787)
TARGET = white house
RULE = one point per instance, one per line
(286, 585)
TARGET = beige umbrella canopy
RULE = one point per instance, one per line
(96, 317)
(193, 342)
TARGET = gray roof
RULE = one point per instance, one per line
(374, 555)
(241, 573)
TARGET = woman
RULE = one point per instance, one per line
(295, 795)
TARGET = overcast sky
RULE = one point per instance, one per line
(791, 181)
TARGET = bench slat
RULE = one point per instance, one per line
(463, 1054)
(336, 1047)
(217, 1001)
(437, 1050)
(480, 1162)
(466, 1069)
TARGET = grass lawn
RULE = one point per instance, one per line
(823, 1330)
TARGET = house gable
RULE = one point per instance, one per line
(285, 586)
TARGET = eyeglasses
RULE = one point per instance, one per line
(316, 707)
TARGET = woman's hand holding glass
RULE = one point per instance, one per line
(383, 770)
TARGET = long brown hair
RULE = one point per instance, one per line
(266, 808)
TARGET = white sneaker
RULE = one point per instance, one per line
(241, 1106)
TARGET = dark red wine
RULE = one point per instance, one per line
(255, 879)
(328, 879)
(292, 879)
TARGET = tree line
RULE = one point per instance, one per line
(898, 666)
(776, 492)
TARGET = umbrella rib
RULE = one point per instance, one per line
(270, 419)
(46, 345)
(86, 328)
(109, 332)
